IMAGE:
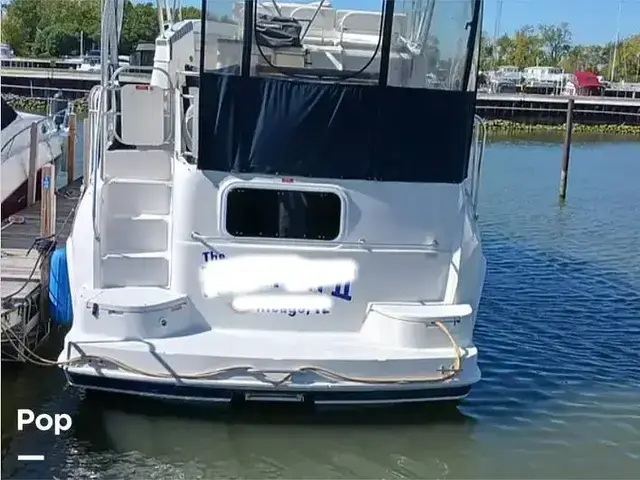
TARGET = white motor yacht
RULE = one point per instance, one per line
(287, 211)
(16, 141)
(90, 62)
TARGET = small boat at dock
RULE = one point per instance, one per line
(16, 140)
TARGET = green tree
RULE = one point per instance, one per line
(555, 41)
(551, 45)
(191, 13)
(51, 28)
(54, 41)
(61, 25)
(140, 25)
(20, 24)
(503, 49)
(628, 68)
(525, 49)
(487, 53)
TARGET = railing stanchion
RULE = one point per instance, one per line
(33, 165)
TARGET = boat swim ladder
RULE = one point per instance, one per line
(112, 106)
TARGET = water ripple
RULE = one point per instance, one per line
(558, 331)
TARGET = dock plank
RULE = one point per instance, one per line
(561, 99)
(17, 264)
(20, 281)
(22, 292)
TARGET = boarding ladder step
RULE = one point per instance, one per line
(136, 219)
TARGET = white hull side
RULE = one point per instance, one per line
(154, 352)
(15, 158)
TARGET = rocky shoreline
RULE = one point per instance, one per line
(499, 127)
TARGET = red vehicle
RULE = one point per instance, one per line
(584, 83)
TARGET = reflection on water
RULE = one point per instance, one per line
(558, 332)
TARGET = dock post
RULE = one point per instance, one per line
(86, 153)
(71, 149)
(47, 231)
(566, 150)
(33, 165)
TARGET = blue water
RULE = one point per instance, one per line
(558, 332)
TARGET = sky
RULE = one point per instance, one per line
(590, 21)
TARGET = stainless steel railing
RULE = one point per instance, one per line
(7, 145)
(475, 164)
(103, 118)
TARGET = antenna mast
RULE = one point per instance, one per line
(496, 30)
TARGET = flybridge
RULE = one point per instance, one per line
(288, 101)
(401, 44)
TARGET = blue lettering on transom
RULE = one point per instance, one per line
(212, 255)
(341, 291)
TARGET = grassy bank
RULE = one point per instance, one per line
(503, 127)
(39, 105)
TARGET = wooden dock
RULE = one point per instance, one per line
(20, 268)
(22, 235)
(552, 109)
(600, 101)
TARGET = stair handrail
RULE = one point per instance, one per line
(478, 155)
(170, 89)
(182, 120)
(94, 111)
(104, 115)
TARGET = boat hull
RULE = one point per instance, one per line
(208, 392)
(356, 374)
(14, 168)
(17, 201)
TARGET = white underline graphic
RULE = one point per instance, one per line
(30, 458)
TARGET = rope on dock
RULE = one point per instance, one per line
(44, 246)
(14, 220)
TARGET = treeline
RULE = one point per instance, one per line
(551, 45)
(52, 28)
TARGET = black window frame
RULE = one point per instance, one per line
(287, 187)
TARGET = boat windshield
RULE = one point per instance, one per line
(344, 116)
(421, 44)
